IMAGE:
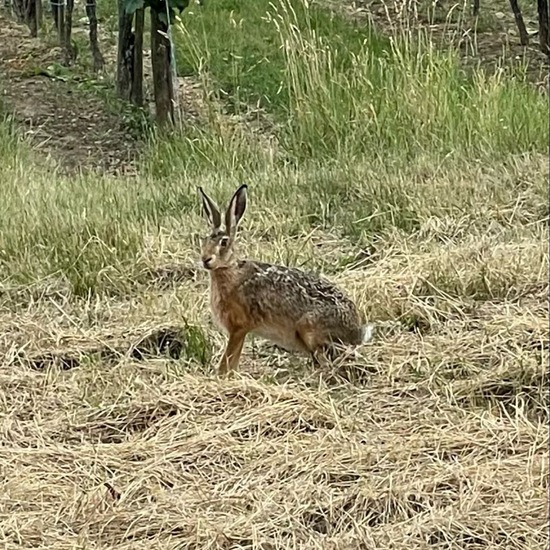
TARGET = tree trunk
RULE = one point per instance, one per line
(523, 36)
(125, 54)
(162, 73)
(544, 37)
(98, 61)
(137, 74)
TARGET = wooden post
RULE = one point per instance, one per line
(174, 76)
(58, 13)
(125, 52)
(523, 36)
(26, 12)
(38, 11)
(70, 52)
(162, 73)
(544, 36)
(137, 76)
(31, 19)
(18, 10)
(98, 61)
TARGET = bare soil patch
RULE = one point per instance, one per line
(72, 125)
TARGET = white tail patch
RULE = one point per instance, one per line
(368, 333)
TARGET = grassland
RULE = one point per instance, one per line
(419, 188)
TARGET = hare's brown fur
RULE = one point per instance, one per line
(296, 310)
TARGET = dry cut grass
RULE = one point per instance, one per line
(116, 434)
(195, 463)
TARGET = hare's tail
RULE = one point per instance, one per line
(367, 333)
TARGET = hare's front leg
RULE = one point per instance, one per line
(232, 353)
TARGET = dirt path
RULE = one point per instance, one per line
(73, 125)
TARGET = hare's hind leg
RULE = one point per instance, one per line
(313, 339)
(232, 353)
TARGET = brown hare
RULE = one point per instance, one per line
(296, 310)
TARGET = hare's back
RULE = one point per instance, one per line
(290, 292)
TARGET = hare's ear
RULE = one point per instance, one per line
(211, 211)
(236, 209)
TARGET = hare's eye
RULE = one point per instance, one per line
(224, 241)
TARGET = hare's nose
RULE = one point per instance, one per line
(207, 261)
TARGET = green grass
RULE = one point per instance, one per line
(10, 146)
(239, 44)
(337, 90)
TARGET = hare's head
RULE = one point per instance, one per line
(218, 250)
